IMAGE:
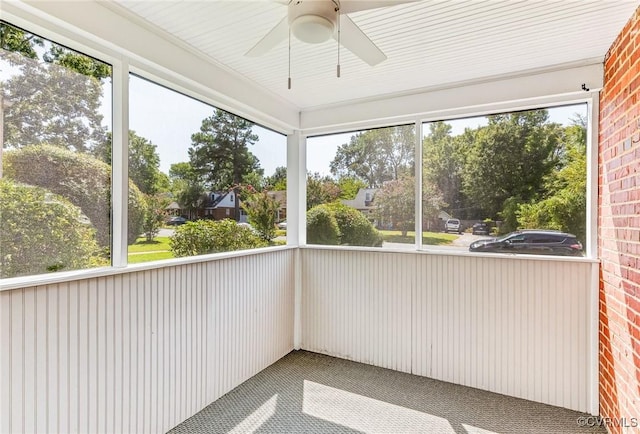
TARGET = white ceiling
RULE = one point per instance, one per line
(429, 44)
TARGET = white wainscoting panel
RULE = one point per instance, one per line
(141, 351)
(515, 326)
(357, 305)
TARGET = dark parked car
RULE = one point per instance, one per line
(532, 242)
(177, 220)
(480, 229)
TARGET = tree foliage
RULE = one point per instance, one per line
(64, 111)
(81, 178)
(154, 216)
(376, 156)
(509, 158)
(395, 203)
(261, 210)
(206, 236)
(144, 162)
(563, 206)
(277, 181)
(349, 187)
(41, 232)
(19, 41)
(187, 187)
(321, 189)
(443, 165)
(219, 152)
(80, 63)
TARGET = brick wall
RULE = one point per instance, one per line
(619, 229)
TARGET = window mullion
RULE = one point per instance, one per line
(120, 163)
(418, 187)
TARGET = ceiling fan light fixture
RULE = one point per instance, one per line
(312, 29)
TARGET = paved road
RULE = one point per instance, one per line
(460, 244)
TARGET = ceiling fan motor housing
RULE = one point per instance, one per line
(313, 21)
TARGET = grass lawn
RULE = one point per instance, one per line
(142, 245)
(428, 238)
(147, 251)
(148, 257)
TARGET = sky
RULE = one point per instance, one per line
(168, 119)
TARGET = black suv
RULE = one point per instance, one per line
(531, 242)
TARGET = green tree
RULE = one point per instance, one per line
(41, 232)
(509, 160)
(443, 165)
(144, 162)
(187, 187)
(278, 181)
(321, 189)
(564, 204)
(63, 112)
(261, 210)
(376, 156)
(395, 203)
(349, 187)
(220, 153)
(18, 41)
(154, 216)
(80, 63)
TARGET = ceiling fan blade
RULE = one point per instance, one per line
(276, 35)
(353, 39)
(349, 6)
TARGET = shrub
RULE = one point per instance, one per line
(261, 210)
(207, 236)
(322, 227)
(41, 232)
(154, 216)
(355, 229)
(81, 178)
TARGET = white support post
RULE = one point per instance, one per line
(297, 218)
(593, 110)
(418, 187)
(120, 164)
(296, 189)
(593, 116)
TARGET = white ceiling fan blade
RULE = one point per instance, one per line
(354, 40)
(276, 35)
(349, 6)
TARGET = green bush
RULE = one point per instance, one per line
(322, 227)
(81, 178)
(261, 211)
(41, 232)
(355, 229)
(208, 236)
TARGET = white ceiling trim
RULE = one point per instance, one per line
(462, 100)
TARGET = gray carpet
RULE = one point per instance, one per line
(311, 393)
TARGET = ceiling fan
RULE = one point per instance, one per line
(316, 21)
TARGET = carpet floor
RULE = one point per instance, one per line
(311, 393)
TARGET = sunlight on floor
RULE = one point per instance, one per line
(256, 419)
(366, 414)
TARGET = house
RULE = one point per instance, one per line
(364, 202)
(120, 347)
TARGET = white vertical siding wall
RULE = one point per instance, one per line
(509, 325)
(140, 351)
